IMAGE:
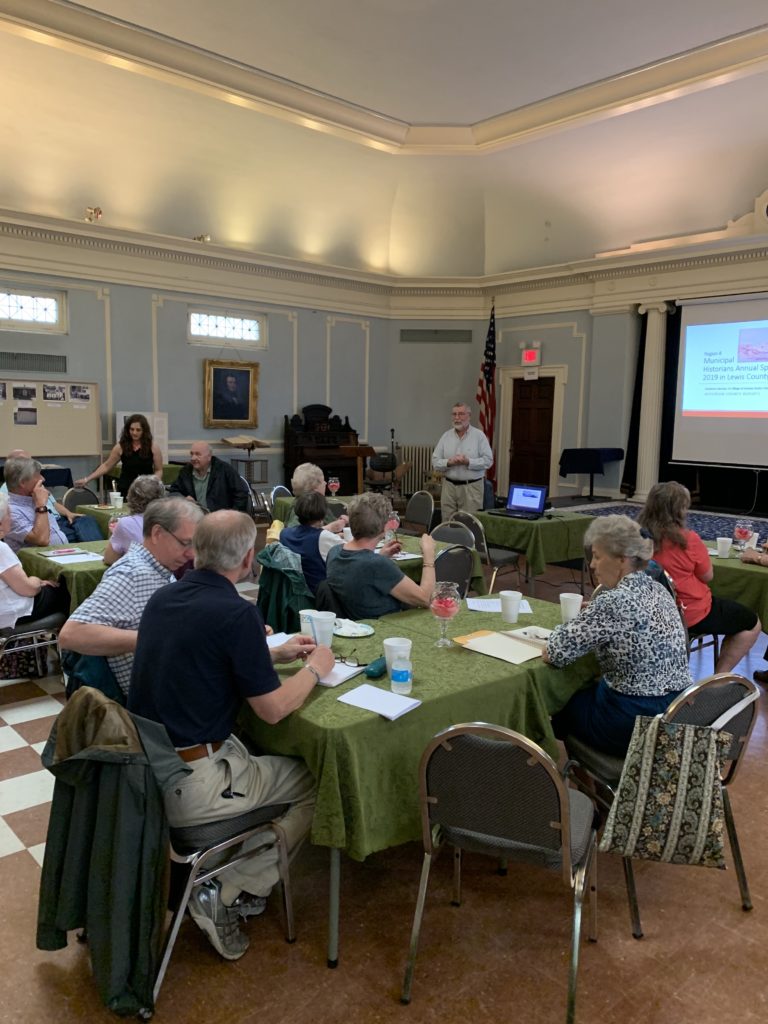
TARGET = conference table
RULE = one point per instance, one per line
(81, 578)
(103, 514)
(366, 766)
(558, 536)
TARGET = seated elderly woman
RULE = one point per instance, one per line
(370, 584)
(24, 599)
(309, 539)
(307, 478)
(635, 630)
(682, 553)
(131, 528)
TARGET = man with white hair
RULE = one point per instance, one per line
(209, 481)
(201, 653)
(463, 456)
(74, 525)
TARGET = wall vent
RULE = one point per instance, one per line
(409, 335)
(32, 362)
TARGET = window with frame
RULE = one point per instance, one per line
(32, 311)
(205, 327)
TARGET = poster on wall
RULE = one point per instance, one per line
(80, 394)
(24, 392)
(230, 393)
(3, 391)
(24, 416)
(55, 394)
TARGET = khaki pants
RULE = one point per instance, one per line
(255, 781)
(460, 498)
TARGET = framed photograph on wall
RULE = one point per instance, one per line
(230, 393)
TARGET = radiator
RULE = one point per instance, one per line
(420, 457)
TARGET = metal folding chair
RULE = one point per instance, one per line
(497, 558)
(490, 790)
(454, 564)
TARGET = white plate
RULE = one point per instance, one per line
(346, 627)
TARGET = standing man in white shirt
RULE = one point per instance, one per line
(463, 456)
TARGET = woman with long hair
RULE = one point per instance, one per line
(682, 553)
(136, 452)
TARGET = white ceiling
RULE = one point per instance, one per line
(161, 154)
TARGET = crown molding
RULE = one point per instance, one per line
(119, 44)
(71, 250)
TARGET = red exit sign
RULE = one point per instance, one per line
(531, 356)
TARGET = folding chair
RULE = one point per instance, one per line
(417, 518)
(454, 564)
(497, 558)
(454, 533)
(490, 790)
(79, 496)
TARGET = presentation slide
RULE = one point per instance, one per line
(722, 385)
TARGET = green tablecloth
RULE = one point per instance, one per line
(542, 541)
(742, 582)
(81, 580)
(102, 515)
(366, 766)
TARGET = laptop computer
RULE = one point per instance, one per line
(524, 501)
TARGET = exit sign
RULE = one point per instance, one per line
(530, 356)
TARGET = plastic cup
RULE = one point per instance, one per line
(323, 623)
(723, 547)
(510, 604)
(752, 542)
(305, 623)
(115, 499)
(570, 606)
(396, 645)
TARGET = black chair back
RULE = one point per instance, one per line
(454, 565)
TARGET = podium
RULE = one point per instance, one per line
(360, 452)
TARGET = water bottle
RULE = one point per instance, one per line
(402, 675)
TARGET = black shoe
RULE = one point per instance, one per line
(761, 677)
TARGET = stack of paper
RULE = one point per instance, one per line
(383, 702)
(499, 645)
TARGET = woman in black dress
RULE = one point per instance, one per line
(136, 452)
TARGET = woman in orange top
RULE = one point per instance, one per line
(682, 553)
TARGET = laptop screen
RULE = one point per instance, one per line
(526, 498)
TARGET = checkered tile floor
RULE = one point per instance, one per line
(27, 711)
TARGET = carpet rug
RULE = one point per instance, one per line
(708, 525)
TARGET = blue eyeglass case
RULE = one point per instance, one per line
(376, 669)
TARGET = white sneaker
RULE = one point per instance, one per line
(219, 923)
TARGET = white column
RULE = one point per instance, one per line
(650, 409)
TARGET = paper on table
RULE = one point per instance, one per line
(278, 638)
(340, 673)
(371, 698)
(537, 635)
(493, 604)
(404, 554)
(506, 648)
(80, 556)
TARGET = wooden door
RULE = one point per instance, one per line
(531, 447)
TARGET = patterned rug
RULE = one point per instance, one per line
(708, 525)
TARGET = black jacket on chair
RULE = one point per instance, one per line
(225, 488)
(106, 854)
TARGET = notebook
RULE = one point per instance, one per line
(524, 501)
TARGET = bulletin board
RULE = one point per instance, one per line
(50, 418)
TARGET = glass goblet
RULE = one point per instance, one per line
(444, 604)
(391, 527)
(741, 533)
(333, 485)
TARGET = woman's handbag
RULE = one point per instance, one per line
(669, 804)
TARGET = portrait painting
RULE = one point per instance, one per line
(230, 394)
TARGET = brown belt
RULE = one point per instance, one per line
(201, 750)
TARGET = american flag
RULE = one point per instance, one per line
(486, 385)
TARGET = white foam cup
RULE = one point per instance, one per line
(393, 646)
(752, 542)
(570, 606)
(323, 623)
(115, 499)
(305, 623)
(723, 547)
(510, 604)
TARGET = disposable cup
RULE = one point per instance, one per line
(570, 606)
(305, 625)
(752, 542)
(323, 623)
(510, 604)
(115, 499)
(393, 646)
(723, 547)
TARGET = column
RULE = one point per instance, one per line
(650, 410)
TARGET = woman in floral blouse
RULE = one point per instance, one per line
(633, 627)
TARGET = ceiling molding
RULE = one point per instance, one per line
(69, 250)
(68, 26)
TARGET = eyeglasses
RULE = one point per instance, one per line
(184, 543)
(350, 661)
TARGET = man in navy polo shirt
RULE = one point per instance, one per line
(201, 651)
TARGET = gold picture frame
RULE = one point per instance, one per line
(230, 393)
